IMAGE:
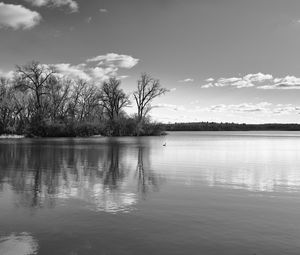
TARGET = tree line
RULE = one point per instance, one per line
(225, 126)
(38, 101)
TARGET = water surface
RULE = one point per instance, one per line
(202, 193)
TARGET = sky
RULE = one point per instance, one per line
(222, 60)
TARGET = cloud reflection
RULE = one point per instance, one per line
(18, 244)
(240, 161)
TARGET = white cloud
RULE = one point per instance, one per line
(230, 82)
(18, 17)
(208, 85)
(242, 82)
(288, 82)
(103, 10)
(240, 108)
(122, 77)
(87, 71)
(93, 71)
(258, 77)
(99, 73)
(71, 4)
(259, 81)
(187, 80)
(116, 60)
(170, 106)
(210, 80)
(6, 75)
(287, 109)
(82, 71)
(263, 108)
(72, 71)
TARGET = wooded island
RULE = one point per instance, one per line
(38, 101)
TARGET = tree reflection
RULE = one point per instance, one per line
(140, 172)
(107, 176)
(113, 174)
(147, 180)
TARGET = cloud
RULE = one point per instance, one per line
(170, 106)
(288, 82)
(263, 107)
(92, 71)
(258, 77)
(210, 80)
(100, 73)
(72, 71)
(240, 108)
(286, 109)
(82, 71)
(259, 81)
(103, 10)
(6, 75)
(115, 60)
(71, 4)
(208, 85)
(122, 77)
(187, 80)
(18, 17)
(249, 80)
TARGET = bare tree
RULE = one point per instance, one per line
(6, 103)
(76, 99)
(89, 102)
(113, 98)
(148, 88)
(34, 77)
(85, 102)
(58, 97)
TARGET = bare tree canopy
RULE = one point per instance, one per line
(34, 77)
(148, 89)
(113, 98)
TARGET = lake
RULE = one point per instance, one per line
(202, 193)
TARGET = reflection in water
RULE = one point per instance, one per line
(146, 179)
(112, 175)
(22, 244)
(262, 180)
(198, 211)
(253, 163)
(102, 175)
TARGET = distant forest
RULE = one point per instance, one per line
(39, 101)
(213, 126)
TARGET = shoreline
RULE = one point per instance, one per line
(12, 136)
(6, 136)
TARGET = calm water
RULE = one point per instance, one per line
(202, 193)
